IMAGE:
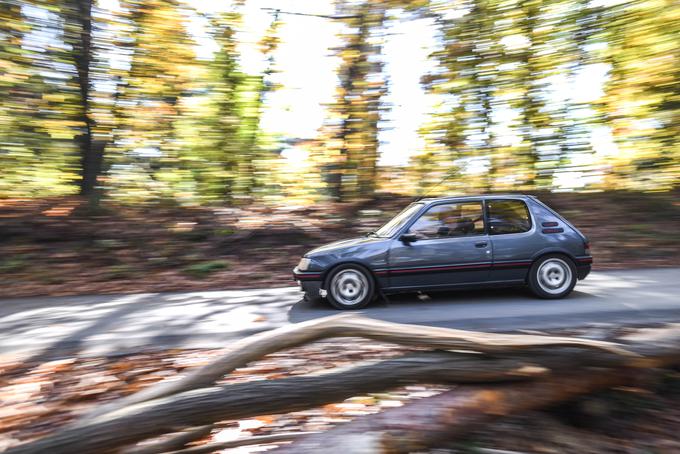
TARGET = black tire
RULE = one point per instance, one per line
(359, 287)
(552, 276)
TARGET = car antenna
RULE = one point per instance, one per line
(442, 181)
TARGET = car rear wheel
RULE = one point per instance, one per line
(552, 276)
(350, 287)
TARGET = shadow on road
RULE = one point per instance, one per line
(442, 302)
(114, 324)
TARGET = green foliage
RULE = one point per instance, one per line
(110, 244)
(203, 269)
(121, 271)
(224, 232)
(351, 134)
(13, 264)
(117, 103)
(517, 58)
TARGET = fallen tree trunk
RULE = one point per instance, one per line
(255, 347)
(430, 421)
(514, 358)
(242, 400)
(175, 442)
(254, 440)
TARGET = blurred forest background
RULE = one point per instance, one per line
(232, 110)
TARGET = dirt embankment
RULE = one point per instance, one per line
(57, 247)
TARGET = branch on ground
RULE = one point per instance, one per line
(431, 421)
(583, 364)
(255, 347)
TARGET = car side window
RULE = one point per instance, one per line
(507, 216)
(450, 220)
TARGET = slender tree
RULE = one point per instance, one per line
(78, 20)
(352, 135)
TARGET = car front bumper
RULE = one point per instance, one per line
(309, 281)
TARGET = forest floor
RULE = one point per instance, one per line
(57, 247)
(38, 398)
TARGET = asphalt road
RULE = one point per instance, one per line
(47, 328)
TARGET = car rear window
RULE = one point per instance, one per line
(507, 216)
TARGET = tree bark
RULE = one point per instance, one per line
(255, 347)
(452, 415)
(91, 152)
(254, 440)
(242, 400)
(517, 357)
(431, 421)
(175, 442)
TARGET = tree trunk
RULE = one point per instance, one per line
(254, 347)
(575, 366)
(173, 443)
(246, 441)
(431, 421)
(91, 153)
(243, 400)
(92, 158)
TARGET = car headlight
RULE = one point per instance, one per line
(304, 264)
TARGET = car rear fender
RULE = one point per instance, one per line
(553, 250)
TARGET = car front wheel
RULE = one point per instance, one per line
(350, 287)
(552, 277)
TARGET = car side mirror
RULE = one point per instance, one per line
(408, 238)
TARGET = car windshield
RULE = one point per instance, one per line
(398, 221)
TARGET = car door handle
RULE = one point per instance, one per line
(482, 244)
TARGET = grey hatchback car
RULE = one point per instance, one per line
(448, 243)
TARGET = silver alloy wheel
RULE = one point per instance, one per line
(554, 276)
(349, 287)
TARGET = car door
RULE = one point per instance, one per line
(451, 248)
(511, 231)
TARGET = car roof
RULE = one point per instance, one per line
(475, 197)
